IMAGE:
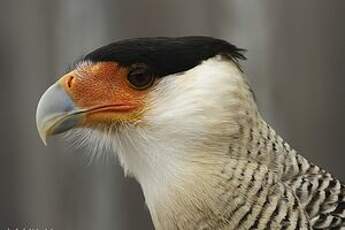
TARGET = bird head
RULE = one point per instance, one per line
(157, 102)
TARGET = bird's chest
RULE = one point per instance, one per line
(204, 213)
(220, 204)
(230, 198)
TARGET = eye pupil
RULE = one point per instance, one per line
(140, 79)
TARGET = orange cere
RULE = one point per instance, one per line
(102, 89)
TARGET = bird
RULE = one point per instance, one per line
(182, 119)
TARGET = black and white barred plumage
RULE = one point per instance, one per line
(294, 194)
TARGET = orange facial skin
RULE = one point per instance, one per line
(103, 90)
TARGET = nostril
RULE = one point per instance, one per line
(70, 81)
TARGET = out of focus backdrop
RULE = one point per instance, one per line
(296, 66)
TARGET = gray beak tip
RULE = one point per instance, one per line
(56, 112)
(43, 137)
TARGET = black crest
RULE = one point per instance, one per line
(165, 55)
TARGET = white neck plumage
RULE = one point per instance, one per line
(184, 136)
(186, 132)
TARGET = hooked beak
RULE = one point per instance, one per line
(56, 112)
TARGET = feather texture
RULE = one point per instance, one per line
(206, 159)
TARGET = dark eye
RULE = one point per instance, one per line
(140, 78)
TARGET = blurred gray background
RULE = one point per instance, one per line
(296, 54)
